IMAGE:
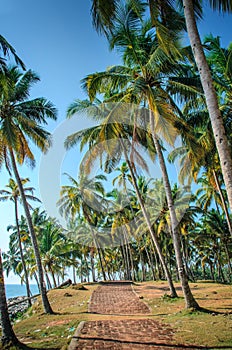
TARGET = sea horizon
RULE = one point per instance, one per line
(14, 290)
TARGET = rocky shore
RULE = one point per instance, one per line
(17, 306)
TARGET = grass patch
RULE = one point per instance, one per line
(211, 329)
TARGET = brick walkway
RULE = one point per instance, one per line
(125, 334)
(118, 299)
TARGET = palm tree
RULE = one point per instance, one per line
(207, 193)
(12, 258)
(80, 197)
(104, 13)
(140, 80)
(209, 90)
(14, 195)
(7, 49)
(117, 131)
(54, 247)
(150, 227)
(20, 122)
(211, 240)
(8, 335)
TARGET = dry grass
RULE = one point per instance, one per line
(213, 330)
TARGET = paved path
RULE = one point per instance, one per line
(118, 299)
(125, 334)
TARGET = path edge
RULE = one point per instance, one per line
(76, 336)
(148, 306)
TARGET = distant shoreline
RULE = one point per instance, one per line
(19, 290)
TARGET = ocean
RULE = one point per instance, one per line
(16, 290)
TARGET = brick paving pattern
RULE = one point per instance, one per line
(125, 334)
(117, 298)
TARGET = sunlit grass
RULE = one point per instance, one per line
(213, 329)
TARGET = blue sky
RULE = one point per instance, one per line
(56, 39)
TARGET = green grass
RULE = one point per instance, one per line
(210, 329)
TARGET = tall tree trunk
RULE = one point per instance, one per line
(81, 270)
(150, 227)
(142, 266)
(223, 202)
(21, 254)
(92, 266)
(123, 254)
(132, 272)
(53, 277)
(204, 272)
(101, 263)
(74, 274)
(150, 264)
(157, 263)
(211, 98)
(95, 240)
(228, 258)
(42, 285)
(187, 268)
(87, 267)
(128, 272)
(211, 270)
(107, 265)
(8, 335)
(36, 279)
(190, 302)
(49, 285)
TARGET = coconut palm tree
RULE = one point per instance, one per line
(20, 122)
(13, 195)
(146, 64)
(8, 50)
(55, 249)
(81, 197)
(12, 258)
(8, 336)
(96, 136)
(104, 14)
(209, 90)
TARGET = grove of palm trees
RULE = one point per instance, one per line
(148, 203)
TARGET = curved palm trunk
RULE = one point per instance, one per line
(157, 263)
(211, 98)
(150, 263)
(36, 279)
(92, 266)
(130, 258)
(150, 227)
(99, 252)
(96, 245)
(42, 285)
(132, 263)
(49, 285)
(223, 202)
(21, 254)
(74, 275)
(87, 267)
(123, 258)
(53, 277)
(107, 265)
(127, 259)
(190, 302)
(143, 276)
(8, 335)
